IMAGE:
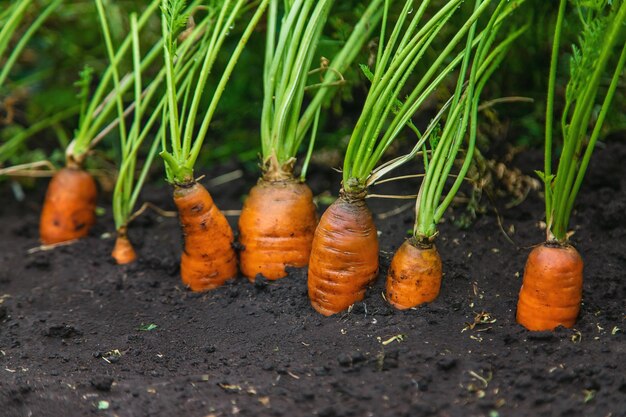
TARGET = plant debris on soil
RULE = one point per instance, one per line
(80, 335)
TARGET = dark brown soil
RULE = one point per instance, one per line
(74, 333)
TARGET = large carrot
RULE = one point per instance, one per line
(208, 259)
(552, 288)
(276, 228)
(344, 257)
(69, 209)
(414, 275)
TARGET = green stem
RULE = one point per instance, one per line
(221, 86)
(309, 152)
(573, 137)
(15, 16)
(550, 112)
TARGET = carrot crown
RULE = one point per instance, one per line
(185, 140)
(385, 114)
(603, 32)
(288, 60)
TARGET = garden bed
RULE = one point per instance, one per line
(78, 335)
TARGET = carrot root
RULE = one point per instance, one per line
(69, 208)
(552, 288)
(208, 259)
(344, 256)
(123, 251)
(414, 276)
(276, 228)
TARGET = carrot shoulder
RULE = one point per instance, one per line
(69, 209)
(344, 256)
(414, 275)
(208, 259)
(552, 288)
(276, 228)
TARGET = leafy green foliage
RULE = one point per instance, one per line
(185, 140)
(175, 19)
(84, 84)
(291, 48)
(602, 33)
(585, 57)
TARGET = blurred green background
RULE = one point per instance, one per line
(42, 84)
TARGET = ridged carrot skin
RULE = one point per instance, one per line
(276, 228)
(123, 251)
(414, 276)
(552, 288)
(69, 209)
(208, 259)
(344, 256)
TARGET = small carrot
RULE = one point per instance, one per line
(551, 289)
(208, 259)
(69, 209)
(414, 275)
(123, 251)
(344, 256)
(276, 228)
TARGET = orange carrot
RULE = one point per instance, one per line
(123, 252)
(69, 209)
(414, 275)
(344, 256)
(208, 260)
(552, 288)
(276, 228)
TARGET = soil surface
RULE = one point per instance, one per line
(81, 336)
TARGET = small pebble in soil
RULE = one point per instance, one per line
(321, 371)
(260, 282)
(344, 359)
(62, 331)
(357, 357)
(446, 363)
(101, 382)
